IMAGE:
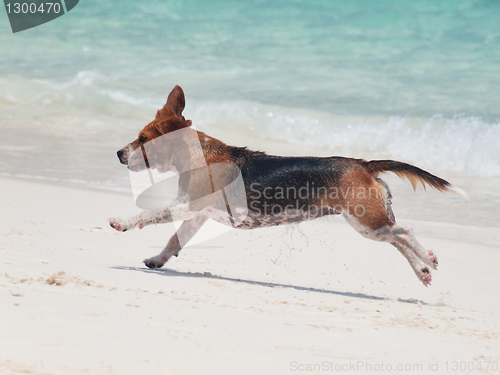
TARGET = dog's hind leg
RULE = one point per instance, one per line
(403, 239)
(400, 237)
(419, 268)
(186, 231)
(410, 241)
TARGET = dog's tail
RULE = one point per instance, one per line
(415, 175)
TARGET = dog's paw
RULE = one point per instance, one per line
(154, 263)
(425, 276)
(117, 224)
(433, 260)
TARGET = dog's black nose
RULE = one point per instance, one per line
(122, 156)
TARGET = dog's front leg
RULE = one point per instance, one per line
(187, 230)
(175, 212)
(141, 220)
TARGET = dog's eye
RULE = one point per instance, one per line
(142, 139)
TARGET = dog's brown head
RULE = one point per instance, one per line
(168, 119)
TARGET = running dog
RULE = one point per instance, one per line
(277, 189)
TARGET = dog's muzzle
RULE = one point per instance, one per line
(123, 155)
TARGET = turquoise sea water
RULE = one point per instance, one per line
(387, 57)
(413, 81)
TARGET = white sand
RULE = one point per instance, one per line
(75, 297)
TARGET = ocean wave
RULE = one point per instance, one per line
(86, 93)
(459, 145)
(83, 78)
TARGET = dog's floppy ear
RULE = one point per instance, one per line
(175, 103)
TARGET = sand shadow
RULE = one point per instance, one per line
(173, 273)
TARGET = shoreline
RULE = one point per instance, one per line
(473, 234)
(78, 299)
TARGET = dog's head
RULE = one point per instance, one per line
(168, 119)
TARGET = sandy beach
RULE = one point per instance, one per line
(409, 81)
(315, 298)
